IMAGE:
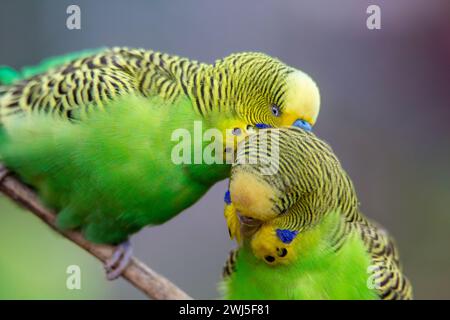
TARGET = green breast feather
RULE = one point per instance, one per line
(321, 273)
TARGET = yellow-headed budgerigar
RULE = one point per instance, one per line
(92, 131)
(302, 236)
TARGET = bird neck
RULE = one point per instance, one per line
(337, 195)
(210, 88)
(345, 200)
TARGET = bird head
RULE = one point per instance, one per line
(303, 185)
(265, 91)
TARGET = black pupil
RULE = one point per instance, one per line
(275, 110)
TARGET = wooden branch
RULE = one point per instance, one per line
(137, 273)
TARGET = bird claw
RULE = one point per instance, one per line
(119, 260)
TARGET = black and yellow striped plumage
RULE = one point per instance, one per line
(308, 186)
(126, 104)
(242, 85)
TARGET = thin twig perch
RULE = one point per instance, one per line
(137, 273)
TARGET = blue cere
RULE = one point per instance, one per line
(285, 235)
(302, 124)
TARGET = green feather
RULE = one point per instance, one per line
(337, 253)
(321, 274)
(8, 75)
(110, 174)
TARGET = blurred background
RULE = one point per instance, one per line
(385, 111)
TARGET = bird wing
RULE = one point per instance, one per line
(230, 265)
(71, 89)
(388, 278)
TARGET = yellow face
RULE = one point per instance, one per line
(301, 100)
(252, 197)
(292, 100)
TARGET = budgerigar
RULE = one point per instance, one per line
(91, 131)
(302, 234)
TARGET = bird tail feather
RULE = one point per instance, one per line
(9, 75)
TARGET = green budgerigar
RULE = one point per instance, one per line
(301, 233)
(93, 131)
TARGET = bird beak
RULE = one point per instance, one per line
(248, 225)
(302, 124)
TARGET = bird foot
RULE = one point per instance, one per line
(118, 262)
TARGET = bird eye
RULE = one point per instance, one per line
(275, 110)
